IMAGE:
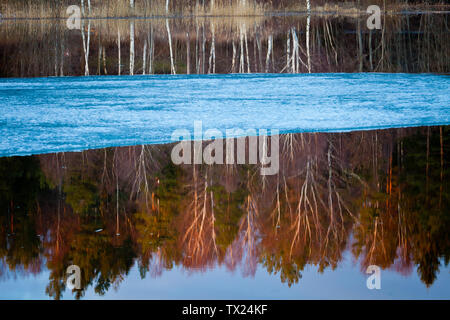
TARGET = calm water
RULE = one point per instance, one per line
(363, 158)
(141, 227)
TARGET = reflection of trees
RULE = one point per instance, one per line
(20, 243)
(403, 220)
(280, 44)
(105, 209)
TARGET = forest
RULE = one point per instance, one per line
(276, 44)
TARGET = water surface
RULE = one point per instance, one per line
(141, 227)
(42, 115)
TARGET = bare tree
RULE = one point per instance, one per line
(269, 50)
(172, 66)
(151, 40)
(212, 54)
(241, 41)
(144, 57)
(308, 23)
(118, 49)
(233, 59)
(188, 54)
(131, 47)
(86, 45)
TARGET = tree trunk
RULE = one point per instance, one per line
(295, 55)
(288, 49)
(246, 49)
(308, 25)
(203, 48)
(233, 59)
(172, 66)
(212, 54)
(118, 49)
(188, 54)
(144, 57)
(86, 46)
(269, 50)
(360, 49)
(104, 61)
(197, 59)
(132, 48)
(61, 65)
(152, 50)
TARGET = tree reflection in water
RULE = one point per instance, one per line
(381, 194)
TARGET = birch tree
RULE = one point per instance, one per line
(131, 47)
(118, 49)
(144, 57)
(169, 36)
(212, 54)
(241, 42)
(308, 24)
(86, 42)
(269, 50)
(151, 50)
(188, 54)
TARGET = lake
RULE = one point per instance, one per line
(355, 123)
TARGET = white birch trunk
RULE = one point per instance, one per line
(269, 50)
(246, 49)
(172, 66)
(144, 57)
(295, 54)
(288, 49)
(86, 46)
(212, 54)
(233, 59)
(308, 25)
(132, 48)
(241, 62)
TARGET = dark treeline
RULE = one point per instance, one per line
(406, 43)
(106, 210)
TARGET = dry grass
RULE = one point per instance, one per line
(237, 9)
(121, 8)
